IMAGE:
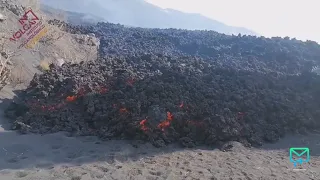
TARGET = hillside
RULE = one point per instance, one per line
(57, 44)
(138, 13)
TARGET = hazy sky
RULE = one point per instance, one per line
(293, 18)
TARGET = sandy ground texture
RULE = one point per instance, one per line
(61, 157)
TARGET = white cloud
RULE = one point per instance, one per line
(293, 18)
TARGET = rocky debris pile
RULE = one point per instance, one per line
(163, 99)
(163, 86)
(251, 53)
(278, 55)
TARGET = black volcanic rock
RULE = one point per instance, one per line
(191, 87)
(259, 54)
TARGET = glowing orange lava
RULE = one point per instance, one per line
(166, 123)
(143, 125)
(71, 98)
(102, 89)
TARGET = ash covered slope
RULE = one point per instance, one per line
(57, 44)
(145, 86)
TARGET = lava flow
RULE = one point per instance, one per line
(71, 98)
(82, 92)
(166, 123)
(143, 125)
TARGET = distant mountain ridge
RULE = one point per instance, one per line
(139, 13)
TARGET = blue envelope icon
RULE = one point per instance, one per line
(299, 155)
